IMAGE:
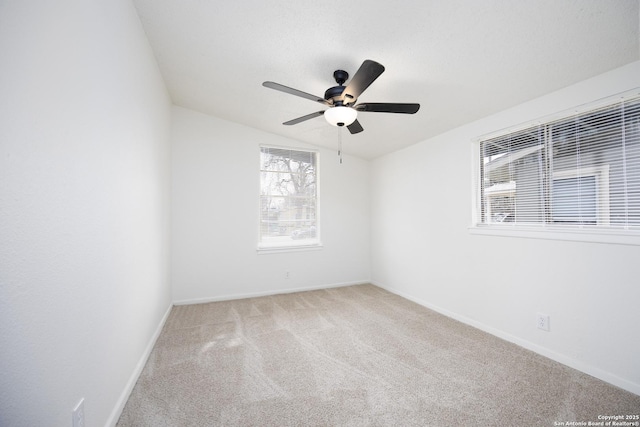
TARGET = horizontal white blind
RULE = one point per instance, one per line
(288, 197)
(581, 171)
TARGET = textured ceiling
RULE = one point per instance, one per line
(460, 59)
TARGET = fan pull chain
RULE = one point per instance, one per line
(340, 143)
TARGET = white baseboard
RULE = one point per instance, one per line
(117, 411)
(266, 293)
(558, 357)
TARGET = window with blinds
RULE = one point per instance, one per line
(288, 198)
(579, 172)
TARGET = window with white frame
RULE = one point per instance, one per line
(288, 198)
(579, 172)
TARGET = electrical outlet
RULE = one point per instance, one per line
(77, 415)
(287, 274)
(542, 321)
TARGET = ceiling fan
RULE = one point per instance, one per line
(341, 100)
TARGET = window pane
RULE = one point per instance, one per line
(512, 180)
(288, 197)
(574, 200)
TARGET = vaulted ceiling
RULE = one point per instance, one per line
(460, 59)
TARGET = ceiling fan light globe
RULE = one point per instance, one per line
(340, 116)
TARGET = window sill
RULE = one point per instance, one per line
(617, 237)
(263, 250)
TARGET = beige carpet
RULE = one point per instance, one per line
(352, 356)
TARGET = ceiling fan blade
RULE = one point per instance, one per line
(355, 127)
(366, 74)
(387, 107)
(303, 118)
(296, 92)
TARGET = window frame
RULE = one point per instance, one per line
(292, 245)
(597, 233)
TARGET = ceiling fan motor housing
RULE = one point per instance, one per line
(333, 94)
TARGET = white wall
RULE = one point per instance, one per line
(214, 233)
(84, 207)
(85, 228)
(422, 248)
